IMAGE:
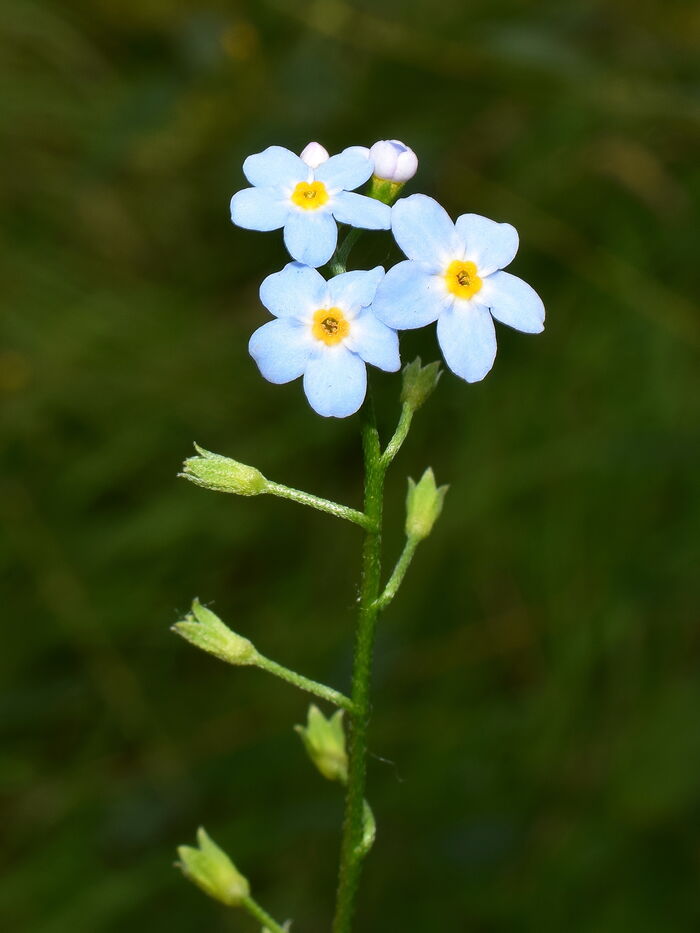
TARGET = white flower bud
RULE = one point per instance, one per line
(314, 155)
(393, 161)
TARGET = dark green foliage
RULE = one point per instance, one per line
(537, 688)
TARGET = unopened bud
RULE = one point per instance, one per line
(222, 474)
(419, 382)
(213, 871)
(423, 505)
(393, 161)
(204, 629)
(324, 740)
(314, 155)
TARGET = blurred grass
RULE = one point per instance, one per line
(537, 684)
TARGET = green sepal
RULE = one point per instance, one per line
(384, 190)
(419, 382)
(222, 474)
(423, 505)
(324, 740)
(204, 629)
(210, 868)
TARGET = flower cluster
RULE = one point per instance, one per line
(327, 330)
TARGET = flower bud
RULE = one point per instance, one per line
(205, 630)
(423, 505)
(314, 155)
(222, 474)
(213, 871)
(324, 740)
(393, 161)
(419, 382)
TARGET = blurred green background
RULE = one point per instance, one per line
(537, 691)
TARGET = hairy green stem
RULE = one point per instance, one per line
(352, 849)
(399, 572)
(394, 445)
(256, 911)
(310, 686)
(339, 261)
(323, 505)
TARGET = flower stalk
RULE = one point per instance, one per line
(304, 683)
(262, 916)
(399, 572)
(353, 845)
(322, 505)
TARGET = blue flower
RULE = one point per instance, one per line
(325, 331)
(453, 276)
(307, 201)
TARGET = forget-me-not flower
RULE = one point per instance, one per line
(307, 200)
(453, 276)
(325, 331)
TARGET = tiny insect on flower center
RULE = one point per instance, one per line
(330, 326)
(462, 279)
(309, 196)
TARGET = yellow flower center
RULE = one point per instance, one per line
(330, 326)
(310, 196)
(462, 279)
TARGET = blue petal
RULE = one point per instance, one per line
(374, 342)
(488, 244)
(281, 348)
(360, 211)
(311, 236)
(335, 382)
(297, 291)
(467, 339)
(362, 150)
(513, 302)
(347, 170)
(354, 290)
(424, 231)
(411, 295)
(275, 166)
(259, 209)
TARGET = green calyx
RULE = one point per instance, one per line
(384, 190)
(324, 740)
(222, 474)
(204, 629)
(213, 871)
(419, 382)
(423, 505)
